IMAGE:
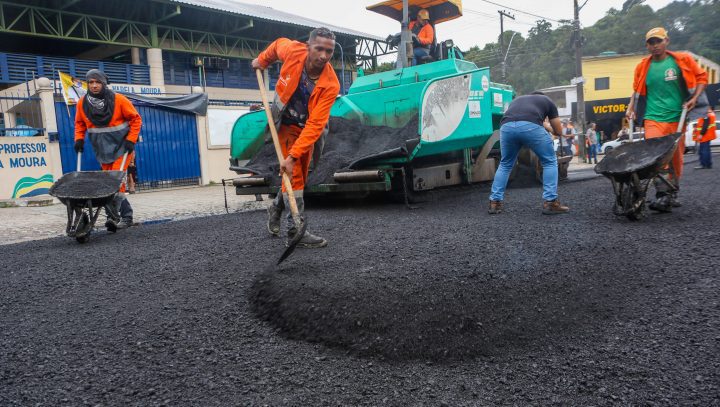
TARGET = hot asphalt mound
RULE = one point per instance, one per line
(403, 313)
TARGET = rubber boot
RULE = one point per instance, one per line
(663, 198)
(308, 241)
(274, 214)
(112, 211)
(126, 214)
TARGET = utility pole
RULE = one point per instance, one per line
(580, 81)
(503, 13)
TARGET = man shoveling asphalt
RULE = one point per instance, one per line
(305, 92)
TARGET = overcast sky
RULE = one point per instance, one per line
(479, 24)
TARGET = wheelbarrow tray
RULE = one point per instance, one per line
(645, 158)
(77, 188)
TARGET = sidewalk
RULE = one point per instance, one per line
(579, 171)
(21, 224)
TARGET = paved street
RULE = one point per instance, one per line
(22, 224)
(440, 305)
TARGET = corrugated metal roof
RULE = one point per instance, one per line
(269, 13)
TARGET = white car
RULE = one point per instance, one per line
(690, 143)
(610, 145)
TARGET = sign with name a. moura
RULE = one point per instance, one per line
(24, 167)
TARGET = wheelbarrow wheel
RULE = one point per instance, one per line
(83, 239)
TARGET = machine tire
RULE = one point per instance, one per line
(607, 150)
(83, 239)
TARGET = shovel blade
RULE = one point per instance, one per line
(292, 244)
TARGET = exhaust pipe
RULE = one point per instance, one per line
(359, 176)
(251, 182)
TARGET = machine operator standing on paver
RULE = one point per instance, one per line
(304, 93)
(113, 126)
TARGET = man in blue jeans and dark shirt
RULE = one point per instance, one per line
(522, 125)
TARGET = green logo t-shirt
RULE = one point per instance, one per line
(665, 92)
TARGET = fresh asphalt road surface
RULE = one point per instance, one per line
(444, 304)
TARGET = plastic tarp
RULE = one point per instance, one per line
(196, 103)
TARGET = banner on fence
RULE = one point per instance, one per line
(72, 88)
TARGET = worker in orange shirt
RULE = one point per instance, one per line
(113, 125)
(669, 82)
(304, 93)
(703, 134)
(422, 35)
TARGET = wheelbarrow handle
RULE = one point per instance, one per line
(683, 116)
(79, 159)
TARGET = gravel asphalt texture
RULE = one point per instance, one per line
(441, 305)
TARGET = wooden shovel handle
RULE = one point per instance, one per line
(276, 141)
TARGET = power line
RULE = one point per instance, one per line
(519, 11)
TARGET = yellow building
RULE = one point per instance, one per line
(610, 75)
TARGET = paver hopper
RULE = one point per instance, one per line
(449, 108)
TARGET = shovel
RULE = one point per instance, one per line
(300, 224)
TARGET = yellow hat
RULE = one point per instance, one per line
(423, 14)
(657, 32)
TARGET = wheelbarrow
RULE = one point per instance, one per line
(84, 193)
(632, 167)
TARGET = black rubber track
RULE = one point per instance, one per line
(440, 305)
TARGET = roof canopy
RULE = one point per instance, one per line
(440, 10)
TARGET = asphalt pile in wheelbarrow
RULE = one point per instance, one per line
(347, 144)
(88, 184)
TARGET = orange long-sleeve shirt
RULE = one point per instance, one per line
(124, 112)
(426, 34)
(293, 55)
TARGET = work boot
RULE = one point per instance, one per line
(274, 214)
(308, 241)
(124, 223)
(554, 208)
(662, 204)
(495, 207)
(674, 201)
(111, 225)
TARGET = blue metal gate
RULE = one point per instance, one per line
(167, 154)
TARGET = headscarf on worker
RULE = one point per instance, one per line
(110, 121)
(100, 107)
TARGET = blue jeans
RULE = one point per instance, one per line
(418, 53)
(592, 152)
(515, 135)
(705, 154)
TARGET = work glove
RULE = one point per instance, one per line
(79, 146)
(129, 145)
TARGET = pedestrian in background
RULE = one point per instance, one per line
(522, 125)
(591, 141)
(703, 134)
(132, 175)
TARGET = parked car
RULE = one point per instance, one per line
(690, 144)
(610, 145)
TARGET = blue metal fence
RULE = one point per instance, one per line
(167, 154)
(18, 68)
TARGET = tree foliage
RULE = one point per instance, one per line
(547, 57)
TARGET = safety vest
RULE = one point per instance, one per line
(704, 130)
